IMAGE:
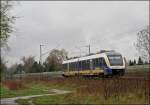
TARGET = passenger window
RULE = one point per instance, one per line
(102, 62)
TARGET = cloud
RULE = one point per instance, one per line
(105, 25)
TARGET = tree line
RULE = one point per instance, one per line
(140, 61)
(52, 63)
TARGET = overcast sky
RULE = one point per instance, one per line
(110, 25)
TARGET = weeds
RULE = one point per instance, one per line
(131, 89)
(14, 85)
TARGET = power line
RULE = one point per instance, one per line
(51, 50)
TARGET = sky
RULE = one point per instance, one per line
(72, 25)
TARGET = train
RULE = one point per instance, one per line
(104, 63)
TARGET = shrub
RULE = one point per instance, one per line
(14, 85)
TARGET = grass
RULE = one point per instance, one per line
(31, 88)
(80, 99)
(87, 91)
(138, 71)
(35, 89)
(60, 99)
(138, 68)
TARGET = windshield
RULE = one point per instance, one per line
(115, 60)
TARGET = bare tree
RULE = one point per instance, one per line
(28, 63)
(7, 20)
(60, 55)
(55, 58)
(143, 43)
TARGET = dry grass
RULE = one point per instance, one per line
(127, 89)
(14, 85)
(106, 88)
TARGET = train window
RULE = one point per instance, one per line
(96, 62)
(70, 66)
(87, 64)
(74, 66)
(115, 60)
(84, 65)
(102, 62)
(80, 66)
(91, 64)
(77, 65)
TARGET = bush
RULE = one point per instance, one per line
(14, 85)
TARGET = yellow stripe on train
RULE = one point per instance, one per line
(97, 71)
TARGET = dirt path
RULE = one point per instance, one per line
(11, 101)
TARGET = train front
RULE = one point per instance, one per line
(116, 64)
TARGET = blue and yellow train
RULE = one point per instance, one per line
(106, 63)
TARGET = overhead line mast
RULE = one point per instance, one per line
(89, 48)
(41, 54)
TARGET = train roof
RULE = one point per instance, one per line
(90, 57)
(112, 53)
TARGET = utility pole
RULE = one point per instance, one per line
(89, 48)
(41, 54)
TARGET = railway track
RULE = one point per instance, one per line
(57, 75)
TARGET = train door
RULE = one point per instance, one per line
(91, 64)
(107, 70)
